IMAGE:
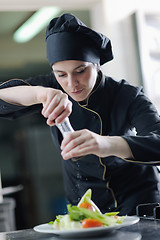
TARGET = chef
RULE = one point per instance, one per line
(117, 163)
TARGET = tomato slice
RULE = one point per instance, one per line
(87, 206)
(89, 223)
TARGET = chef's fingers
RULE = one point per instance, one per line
(79, 151)
(57, 108)
(62, 111)
(49, 95)
(51, 119)
(51, 123)
(50, 104)
(72, 139)
(75, 141)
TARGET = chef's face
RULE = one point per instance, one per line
(77, 78)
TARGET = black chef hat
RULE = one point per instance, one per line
(67, 38)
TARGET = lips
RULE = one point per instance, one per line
(77, 92)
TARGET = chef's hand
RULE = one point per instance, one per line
(84, 142)
(56, 105)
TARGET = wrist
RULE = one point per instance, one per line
(119, 147)
(40, 94)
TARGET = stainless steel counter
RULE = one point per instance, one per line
(145, 230)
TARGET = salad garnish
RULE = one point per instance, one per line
(85, 215)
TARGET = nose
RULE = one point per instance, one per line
(72, 81)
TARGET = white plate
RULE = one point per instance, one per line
(87, 232)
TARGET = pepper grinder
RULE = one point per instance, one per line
(65, 127)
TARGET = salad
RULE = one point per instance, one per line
(85, 215)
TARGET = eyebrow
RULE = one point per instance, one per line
(82, 65)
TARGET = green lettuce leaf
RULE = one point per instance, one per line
(87, 198)
(78, 214)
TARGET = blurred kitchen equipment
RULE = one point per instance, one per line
(7, 208)
(1, 195)
(7, 215)
(149, 211)
(10, 190)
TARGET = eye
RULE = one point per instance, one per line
(81, 70)
(61, 75)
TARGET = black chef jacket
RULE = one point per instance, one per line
(114, 109)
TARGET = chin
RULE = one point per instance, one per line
(79, 99)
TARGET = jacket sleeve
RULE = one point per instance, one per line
(143, 116)
(13, 111)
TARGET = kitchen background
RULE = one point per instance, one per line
(27, 154)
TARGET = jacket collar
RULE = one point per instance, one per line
(96, 90)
